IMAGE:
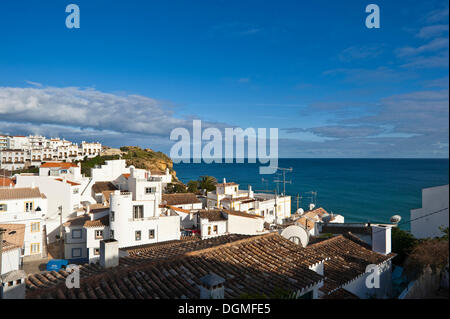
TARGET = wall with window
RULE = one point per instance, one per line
(23, 211)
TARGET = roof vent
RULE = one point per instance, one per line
(212, 287)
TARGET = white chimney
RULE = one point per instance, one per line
(311, 206)
(212, 287)
(132, 171)
(224, 180)
(109, 253)
(381, 239)
(12, 285)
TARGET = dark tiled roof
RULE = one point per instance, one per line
(99, 187)
(341, 294)
(180, 199)
(213, 215)
(348, 258)
(252, 265)
(259, 264)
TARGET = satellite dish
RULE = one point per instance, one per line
(396, 219)
(296, 234)
(300, 211)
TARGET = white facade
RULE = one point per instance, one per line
(61, 194)
(426, 221)
(272, 207)
(29, 210)
(133, 217)
(213, 223)
(16, 152)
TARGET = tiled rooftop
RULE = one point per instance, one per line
(180, 199)
(252, 265)
(19, 193)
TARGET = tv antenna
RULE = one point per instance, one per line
(284, 181)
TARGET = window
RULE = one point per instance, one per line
(137, 235)
(138, 212)
(35, 227)
(151, 234)
(3, 207)
(111, 215)
(96, 251)
(150, 190)
(76, 252)
(209, 230)
(76, 234)
(111, 234)
(99, 234)
(28, 206)
(215, 229)
(75, 190)
(35, 248)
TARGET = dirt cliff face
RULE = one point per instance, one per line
(156, 162)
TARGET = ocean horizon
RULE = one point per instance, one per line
(360, 189)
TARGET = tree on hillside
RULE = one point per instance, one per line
(402, 244)
(175, 188)
(207, 182)
(432, 253)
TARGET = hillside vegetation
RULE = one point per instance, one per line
(136, 156)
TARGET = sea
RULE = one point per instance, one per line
(362, 190)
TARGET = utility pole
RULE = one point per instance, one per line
(2, 230)
(284, 170)
(61, 247)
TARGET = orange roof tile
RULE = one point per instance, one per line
(59, 165)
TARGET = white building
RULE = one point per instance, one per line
(426, 221)
(274, 208)
(218, 222)
(12, 159)
(182, 200)
(315, 218)
(26, 206)
(133, 216)
(3, 142)
(17, 152)
(62, 184)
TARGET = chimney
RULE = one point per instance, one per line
(381, 239)
(250, 191)
(224, 180)
(311, 206)
(109, 253)
(12, 285)
(212, 287)
(132, 171)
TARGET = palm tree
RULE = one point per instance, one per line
(207, 182)
(192, 186)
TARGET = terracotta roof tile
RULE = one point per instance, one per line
(100, 187)
(180, 199)
(14, 236)
(19, 193)
(252, 265)
(59, 165)
(101, 222)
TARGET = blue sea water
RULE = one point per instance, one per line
(360, 189)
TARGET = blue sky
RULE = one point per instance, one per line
(137, 69)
